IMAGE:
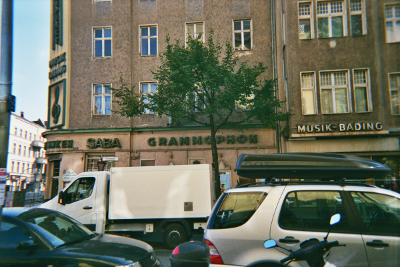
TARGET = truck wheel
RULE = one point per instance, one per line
(174, 235)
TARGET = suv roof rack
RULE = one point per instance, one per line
(323, 166)
(282, 182)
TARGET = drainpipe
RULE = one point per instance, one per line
(275, 73)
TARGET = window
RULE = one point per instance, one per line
(195, 30)
(244, 105)
(148, 40)
(15, 131)
(80, 189)
(392, 20)
(92, 163)
(148, 88)
(12, 166)
(17, 170)
(101, 99)
(19, 150)
(330, 19)
(11, 235)
(242, 34)
(26, 135)
(305, 21)
(357, 18)
(312, 210)
(362, 91)
(24, 151)
(308, 94)
(394, 83)
(334, 92)
(147, 162)
(380, 213)
(14, 148)
(30, 136)
(20, 133)
(102, 41)
(237, 208)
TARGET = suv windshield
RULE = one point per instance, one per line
(237, 208)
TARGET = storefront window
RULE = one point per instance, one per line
(93, 162)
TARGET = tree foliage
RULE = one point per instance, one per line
(204, 84)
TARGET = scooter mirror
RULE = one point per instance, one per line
(270, 243)
(335, 219)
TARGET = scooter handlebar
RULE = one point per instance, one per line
(320, 247)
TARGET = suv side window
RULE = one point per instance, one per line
(379, 213)
(311, 211)
(80, 189)
(237, 208)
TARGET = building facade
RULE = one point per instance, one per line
(341, 77)
(94, 42)
(336, 62)
(26, 159)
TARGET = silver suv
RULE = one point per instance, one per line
(292, 211)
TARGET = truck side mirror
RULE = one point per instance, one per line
(191, 254)
(61, 199)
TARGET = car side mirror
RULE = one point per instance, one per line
(270, 243)
(61, 199)
(335, 219)
(191, 254)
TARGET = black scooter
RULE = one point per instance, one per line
(311, 250)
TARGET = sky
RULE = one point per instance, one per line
(31, 50)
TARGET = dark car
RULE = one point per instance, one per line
(42, 237)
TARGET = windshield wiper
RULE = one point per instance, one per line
(88, 237)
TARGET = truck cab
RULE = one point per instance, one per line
(85, 199)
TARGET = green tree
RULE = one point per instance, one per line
(204, 84)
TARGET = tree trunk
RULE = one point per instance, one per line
(214, 151)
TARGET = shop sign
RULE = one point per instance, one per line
(103, 143)
(340, 127)
(59, 144)
(200, 140)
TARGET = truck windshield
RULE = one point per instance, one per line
(237, 208)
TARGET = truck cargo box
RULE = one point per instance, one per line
(154, 192)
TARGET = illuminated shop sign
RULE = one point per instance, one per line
(103, 143)
(59, 144)
(200, 140)
(340, 127)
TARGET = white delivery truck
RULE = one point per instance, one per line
(172, 201)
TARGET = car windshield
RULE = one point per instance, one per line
(57, 228)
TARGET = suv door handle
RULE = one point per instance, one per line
(87, 208)
(289, 239)
(377, 244)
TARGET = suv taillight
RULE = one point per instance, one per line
(214, 254)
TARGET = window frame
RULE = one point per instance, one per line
(149, 37)
(103, 39)
(147, 111)
(367, 85)
(103, 96)
(363, 17)
(394, 38)
(310, 17)
(196, 34)
(330, 15)
(309, 88)
(397, 89)
(242, 31)
(333, 87)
